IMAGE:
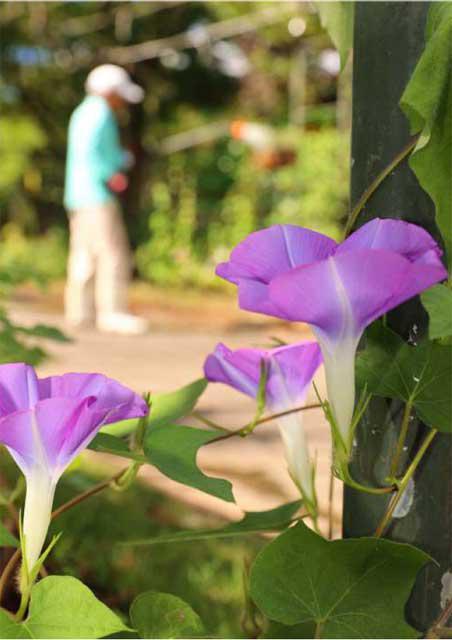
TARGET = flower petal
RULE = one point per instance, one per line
(297, 454)
(270, 252)
(239, 369)
(50, 434)
(254, 296)
(290, 370)
(15, 433)
(111, 397)
(66, 426)
(343, 294)
(408, 240)
(18, 387)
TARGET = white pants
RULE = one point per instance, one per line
(99, 264)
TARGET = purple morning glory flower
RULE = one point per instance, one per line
(339, 289)
(290, 370)
(45, 423)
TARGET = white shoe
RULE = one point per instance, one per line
(125, 323)
(79, 323)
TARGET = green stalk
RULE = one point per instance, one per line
(359, 206)
(401, 440)
(403, 484)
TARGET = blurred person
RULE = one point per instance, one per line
(99, 264)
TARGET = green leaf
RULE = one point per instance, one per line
(162, 615)
(278, 630)
(419, 374)
(169, 407)
(427, 103)
(10, 629)
(165, 408)
(106, 443)
(438, 302)
(6, 538)
(63, 607)
(354, 588)
(44, 331)
(173, 450)
(252, 522)
(121, 428)
(337, 19)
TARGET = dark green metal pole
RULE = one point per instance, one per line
(389, 37)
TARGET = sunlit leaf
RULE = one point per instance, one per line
(338, 19)
(438, 302)
(427, 102)
(169, 407)
(63, 607)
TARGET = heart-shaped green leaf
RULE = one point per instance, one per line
(438, 302)
(62, 607)
(354, 588)
(421, 375)
(162, 615)
(427, 104)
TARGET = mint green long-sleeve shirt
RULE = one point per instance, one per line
(94, 154)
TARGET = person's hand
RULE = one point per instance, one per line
(118, 183)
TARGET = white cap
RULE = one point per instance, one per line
(109, 78)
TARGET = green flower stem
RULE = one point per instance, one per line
(403, 483)
(341, 451)
(9, 568)
(343, 473)
(330, 505)
(89, 492)
(318, 629)
(207, 422)
(401, 441)
(274, 416)
(24, 598)
(249, 428)
(359, 206)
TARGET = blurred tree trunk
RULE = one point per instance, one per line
(389, 38)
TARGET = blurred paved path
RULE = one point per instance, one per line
(171, 356)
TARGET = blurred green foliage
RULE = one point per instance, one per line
(204, 203)
(24, 260)
(38, 258)
(22, 344)
(184, 210)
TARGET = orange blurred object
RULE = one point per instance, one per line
(274, 159)
(268, 154)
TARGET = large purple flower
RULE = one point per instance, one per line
(45, 423)
(290, 370)
(299, 275)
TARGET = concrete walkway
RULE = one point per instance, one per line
(172, 355)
